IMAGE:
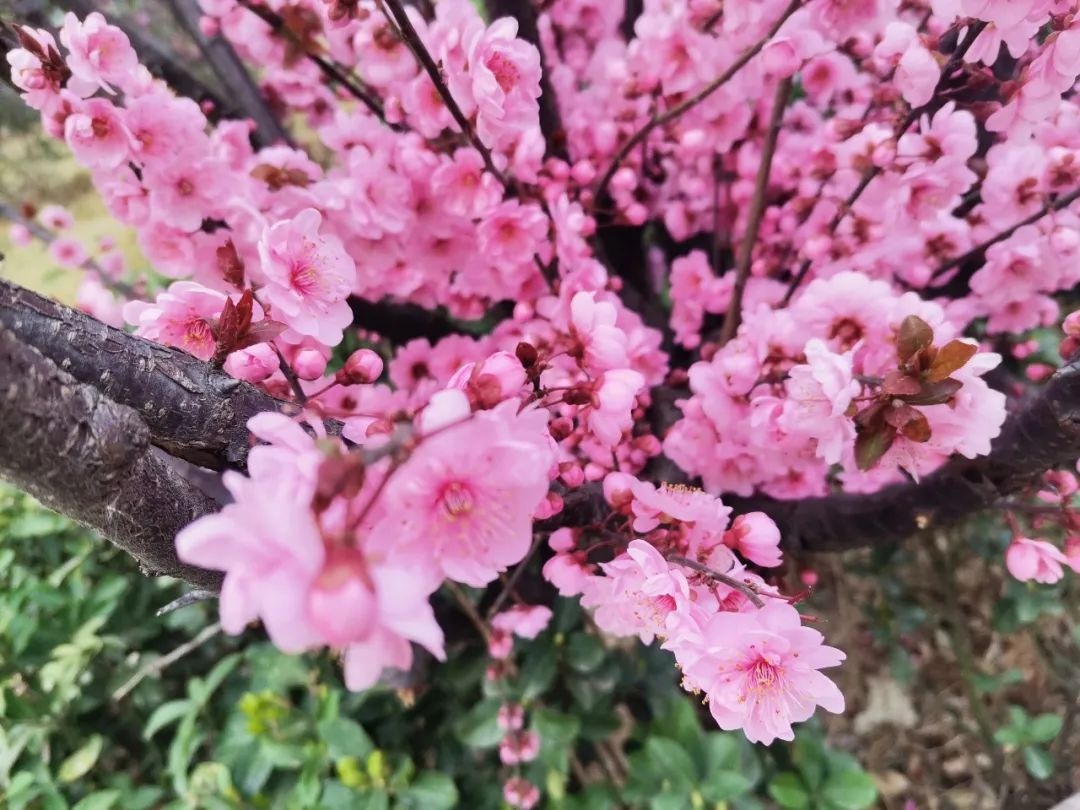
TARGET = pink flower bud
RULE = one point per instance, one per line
(309, 364)
(363, 366)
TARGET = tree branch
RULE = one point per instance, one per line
(693, 101)
(193, 411)
(756, 212)
(221, 56)
(86, 457)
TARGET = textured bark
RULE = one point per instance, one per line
(193, 411)
(90, 459)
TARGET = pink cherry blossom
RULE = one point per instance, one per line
(760, 671)
(99, 54)
(309, 275)
(1037, 560)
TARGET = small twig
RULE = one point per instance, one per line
(508, 588)
(396, 14)
(756, 212)
(184, 600)
(158, 664)
(746, 590)
(1049, 208)
(873, 171)
(329, 69)
(290, 375)
(469, 609)
(693, 101)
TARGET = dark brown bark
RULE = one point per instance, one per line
(91, 459)
(193, 411)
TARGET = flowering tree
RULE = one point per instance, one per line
(649, 292)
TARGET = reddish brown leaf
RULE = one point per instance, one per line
(951, 357)
(935, 393)
(900, 416)
(243, 312)
(871, 445)
(917, 429)
(898, 384)
(914, 336)
(260, 332)
(230, 265)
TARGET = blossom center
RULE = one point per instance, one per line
(505, 71)
(457, 500)
(304, 278)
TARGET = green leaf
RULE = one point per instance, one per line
(584, 652)
(809, 759)
(478, 727)
(672, 761)
(431, 791)
(99, 800)
(79, 764)
(723, 786)
(1038, 762)
(345, 738)
(788, 791)
(850, 790)
(166, 714)
(1044, 728)
(872, 444)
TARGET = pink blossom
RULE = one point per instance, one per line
(20, 235)
(464, 185)
(755, 537)
(819, 394)
(503, 81)
(519, 746)
(96, 134)
(99, 53)
(527, 621)
(67, 251)
(184, 316)
(468, 493)
(759, 671)
(309, 275)
(638, 593)
(512, 232)
(184, 191)
(1037, 560)
(521, 794)
(511, 717)
(593, 324)
(614, 399)
(56, 217)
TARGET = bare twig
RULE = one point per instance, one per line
(185, 600)
(746, 590)
(159, 664)
(508, 588)
(978, 250)
(676, 111)
(874, 170)
(754, 215)
(396, 14)
(469, 609)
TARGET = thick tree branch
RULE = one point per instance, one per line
(90, 459)
(193, 411)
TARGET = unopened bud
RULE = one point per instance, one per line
(363, 366)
